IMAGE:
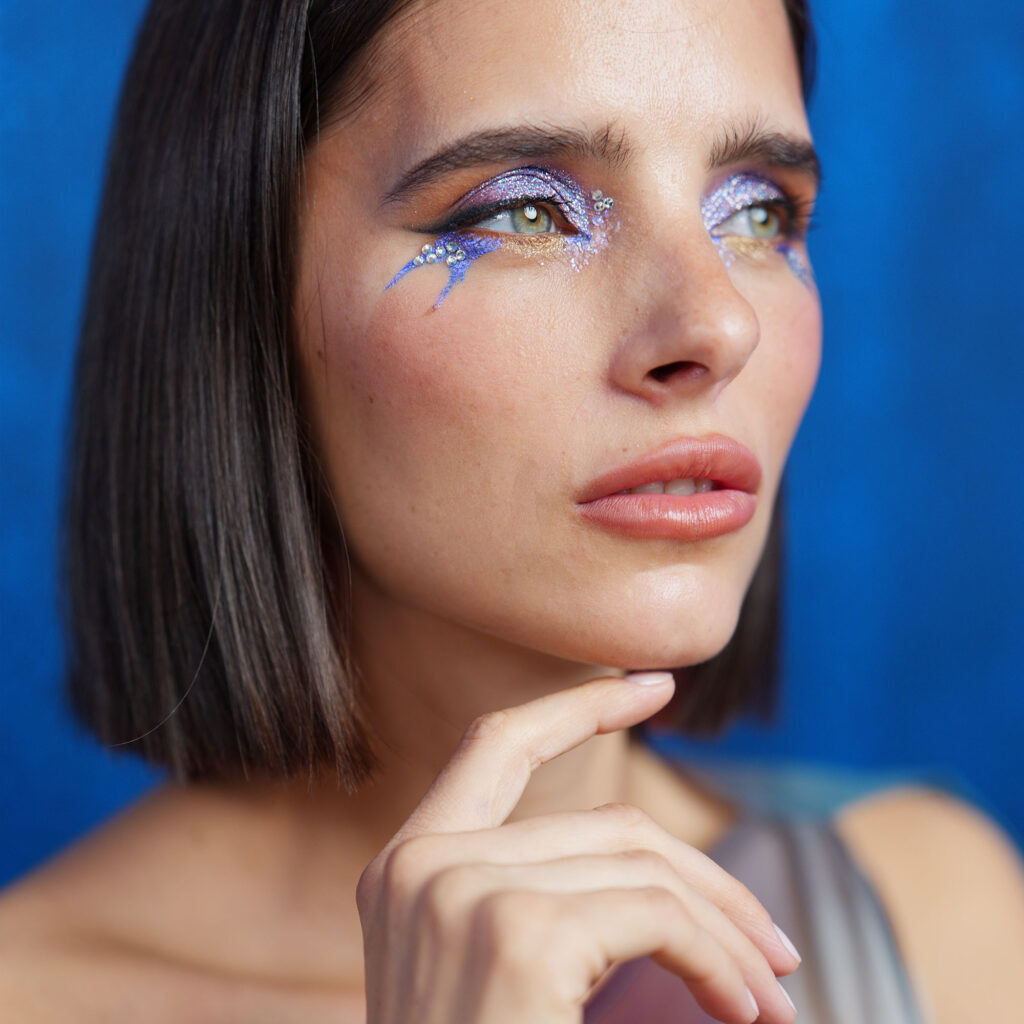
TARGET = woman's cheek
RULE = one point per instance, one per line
(784, 367)
(412, 410)
(801, 360)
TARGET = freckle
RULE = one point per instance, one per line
(371, 399)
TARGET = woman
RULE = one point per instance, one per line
(405, 442)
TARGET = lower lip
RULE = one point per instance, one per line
(673, 517)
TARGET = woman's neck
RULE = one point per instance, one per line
(292, 852)
(423, 682)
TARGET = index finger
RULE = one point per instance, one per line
(482, 782)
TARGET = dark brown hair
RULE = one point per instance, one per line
(204, 631)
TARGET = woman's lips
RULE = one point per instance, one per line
(729, 469)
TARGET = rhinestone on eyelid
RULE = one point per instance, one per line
(419, 260)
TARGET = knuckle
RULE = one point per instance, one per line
(649, 862)
(707, 962)
(491, 728)
(510, 925)
(664, 907)
(626, 817)
(407, 865)
(670, 916)
(446, 894)
(368, 887)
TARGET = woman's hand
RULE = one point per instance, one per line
(470, 921)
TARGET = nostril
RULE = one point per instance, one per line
(678, 371)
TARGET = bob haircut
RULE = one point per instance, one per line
(206, 600)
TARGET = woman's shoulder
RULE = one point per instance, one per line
(144, 920)
(952, 885)
(57, 962)
(950, 882)
(73, 932)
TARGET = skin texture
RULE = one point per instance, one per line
(496, 410)
(493, 412)
(456, 442)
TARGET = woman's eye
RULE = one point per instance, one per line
(762, 222)
(529, 219)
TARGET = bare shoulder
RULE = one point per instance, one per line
(50, 973)
(953, 886)
(59, 962)
(155, 918)
(83, 972)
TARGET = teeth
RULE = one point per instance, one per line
(680, 488)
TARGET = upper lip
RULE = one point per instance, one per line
(727, 463)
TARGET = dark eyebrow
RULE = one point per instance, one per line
(754, 144)
(527, 142)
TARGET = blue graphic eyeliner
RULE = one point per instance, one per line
(457, 248)
(456, 251)
(798, 264)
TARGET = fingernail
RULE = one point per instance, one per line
(788, 943)
(788, 999)
(753, 1004)
(649, 678)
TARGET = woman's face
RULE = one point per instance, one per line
(474, 449)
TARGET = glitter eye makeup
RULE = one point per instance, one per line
(756, 197)
(453, 249)
(485, 219)
(525, 186)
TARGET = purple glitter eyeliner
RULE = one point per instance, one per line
(523, 186)
(735, 194)
(740, 192)
(539, 184)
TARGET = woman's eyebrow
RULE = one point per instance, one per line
(526, 142)
(754, 144)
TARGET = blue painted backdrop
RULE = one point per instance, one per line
(904, 639)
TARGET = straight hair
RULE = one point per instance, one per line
(205, 608)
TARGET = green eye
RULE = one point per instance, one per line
(530, 219)
(763, 222)
(523, 220)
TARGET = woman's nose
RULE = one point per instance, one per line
(689, 329)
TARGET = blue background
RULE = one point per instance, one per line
(904, 637)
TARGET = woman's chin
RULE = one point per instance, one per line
(642, 646)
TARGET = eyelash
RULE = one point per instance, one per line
(467, 218)
(797, 215)
(795, 212)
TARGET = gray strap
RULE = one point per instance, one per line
(852, 972)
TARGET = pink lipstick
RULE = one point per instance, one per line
(688, 490)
